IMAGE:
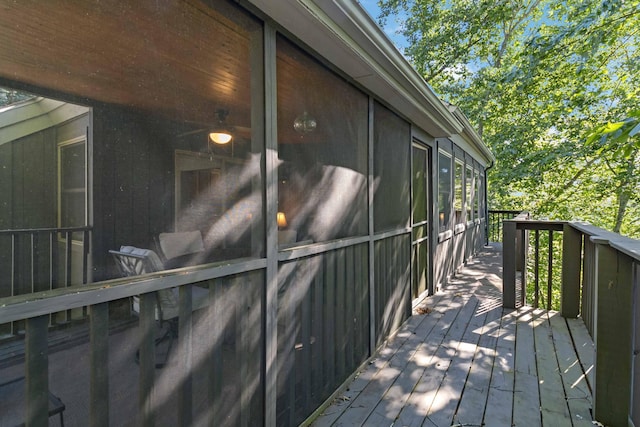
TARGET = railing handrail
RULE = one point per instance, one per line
(600, 274)
(25, 306)
(46, 230)
(624, 244)
(504, 211)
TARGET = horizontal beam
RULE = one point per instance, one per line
(532, 224)
(40, 303)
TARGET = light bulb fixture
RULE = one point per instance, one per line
(304, 123)
(281, 220)
(221, 134)
(220, 137)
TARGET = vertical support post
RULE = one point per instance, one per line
(635, 363)
(522, 252)
(371, 230)
(185, 355)
(213, 369)
(270, 302)
(509, 264)
(571, 266)
(37, 367)
(614, 333)
(147, 358)
(99, 362)
(550, 270)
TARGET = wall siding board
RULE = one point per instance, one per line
(133, 182)
(317, 337)
(393, 284)
(340, 315)
(330, 320)
(304, 346)
(352, 310)
(322, 301)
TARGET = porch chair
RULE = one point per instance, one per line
(182, 248)
(132, 261)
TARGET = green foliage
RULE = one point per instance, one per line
(623, 137)
(553, 88)
(10, 96)
(548, 289)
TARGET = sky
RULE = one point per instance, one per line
(371, 6)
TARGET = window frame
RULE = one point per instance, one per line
(445, 191)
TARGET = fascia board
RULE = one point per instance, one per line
(345, 35)
(470, 135)
(471, 148)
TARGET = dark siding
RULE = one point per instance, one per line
(133, 183)
(323, 328)
(27, 200)
(392, 284)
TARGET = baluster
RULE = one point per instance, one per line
(32, 261)
(537, 269)
(550, 270)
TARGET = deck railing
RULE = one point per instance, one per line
(594, 274)
(328, 318)
(494, 225)
(227, 368)
(43, 259)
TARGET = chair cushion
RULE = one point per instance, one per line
(182, 243)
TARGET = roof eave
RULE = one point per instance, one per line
(344, 34)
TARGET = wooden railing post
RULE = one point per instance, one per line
(613, 335)
(571, 267)
(509, 264)
(37, 371)
(99, 362)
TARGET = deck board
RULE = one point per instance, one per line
(470, 362)
(526, 396)
(553, 405)
(573, 379)
(500, 396)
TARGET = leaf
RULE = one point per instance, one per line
(612, 127)
(635, 130)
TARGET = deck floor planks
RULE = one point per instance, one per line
(500, 397)
(425, 393)
(394, 398)
(366, 402)
(583, 344)
(526, 396)
(553, 404)
(462, 352)
(575, 385)
(413, 327)
(473, 402)
(472, 357)
(397, 395)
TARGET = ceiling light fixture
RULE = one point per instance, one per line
(221, 134)
(304, 123)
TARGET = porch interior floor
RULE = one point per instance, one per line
(463, 360)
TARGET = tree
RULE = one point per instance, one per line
(10, 96)
(537, 78)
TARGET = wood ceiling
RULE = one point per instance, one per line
(180, 59)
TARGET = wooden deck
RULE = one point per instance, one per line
(468, 362)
